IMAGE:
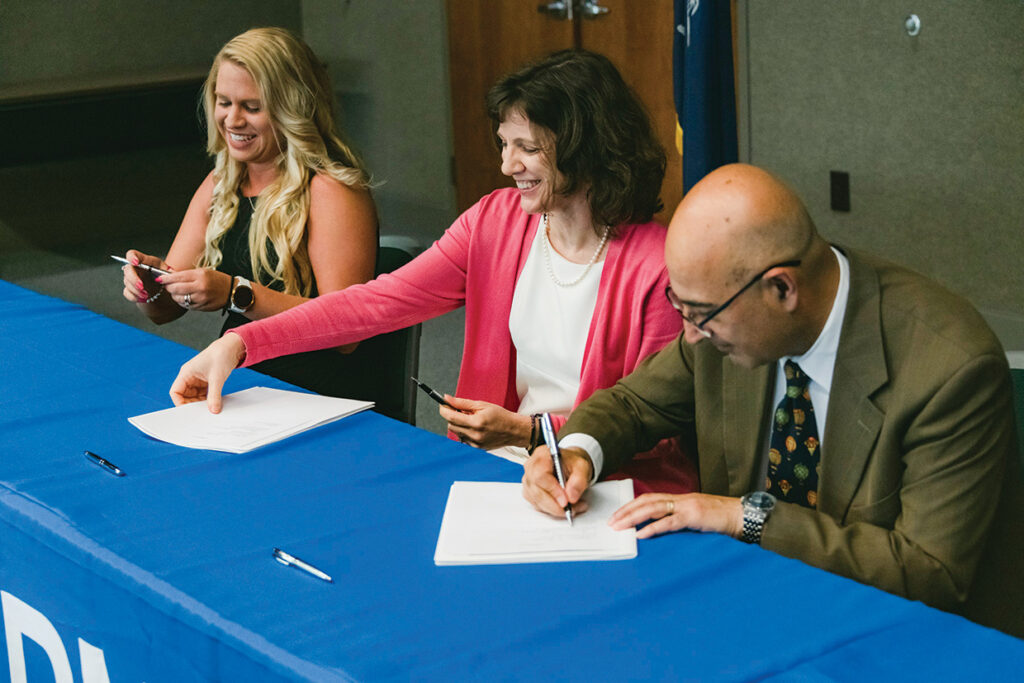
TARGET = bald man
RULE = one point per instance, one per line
(847, 412)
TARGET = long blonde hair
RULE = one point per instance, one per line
(296, 94)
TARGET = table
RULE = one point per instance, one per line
(166, 574)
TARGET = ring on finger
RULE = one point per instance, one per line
(671, 507)
(188, 300)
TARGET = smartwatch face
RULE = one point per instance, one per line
(242, 297)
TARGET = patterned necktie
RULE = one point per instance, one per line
(793, 452)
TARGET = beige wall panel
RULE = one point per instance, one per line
(930, 129)
(388, 64)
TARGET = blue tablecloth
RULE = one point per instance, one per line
(168, 570)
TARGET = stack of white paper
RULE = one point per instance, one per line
(491, 523)
(248, 419)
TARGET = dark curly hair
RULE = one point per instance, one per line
(603, 137)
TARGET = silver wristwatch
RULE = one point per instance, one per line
(242, 297)
(757, 506)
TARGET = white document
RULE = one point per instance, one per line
(491, 523)
(248, 419)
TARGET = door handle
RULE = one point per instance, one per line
(591, 9)
(559, 9)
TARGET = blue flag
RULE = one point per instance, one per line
(704, 86)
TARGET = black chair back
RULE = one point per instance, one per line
(396, 355)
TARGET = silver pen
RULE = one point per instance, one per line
(290, 560)
(556, 456)
(152, 269)
(105, 464)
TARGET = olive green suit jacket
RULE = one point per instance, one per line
(920, 427)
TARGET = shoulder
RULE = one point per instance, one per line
(334, 204)
(497, 205)
(922, 322)
(327, 190)
(640, 250)
(495, 216)
(204, 192)
(644, 238)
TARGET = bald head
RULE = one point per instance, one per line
(737, 231)
(735, 221)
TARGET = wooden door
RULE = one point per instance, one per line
(637, 37)
(488, 39)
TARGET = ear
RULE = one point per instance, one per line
(782, 286)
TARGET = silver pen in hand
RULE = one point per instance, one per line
(152, 269)
(292, 561)
(556, 456)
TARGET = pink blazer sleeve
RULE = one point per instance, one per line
(431, 284)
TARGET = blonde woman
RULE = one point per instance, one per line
(284, 216)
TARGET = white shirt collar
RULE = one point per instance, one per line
(818, 362)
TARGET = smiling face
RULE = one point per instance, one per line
(242, 118)
(528, 158)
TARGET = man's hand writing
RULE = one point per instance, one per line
(541, 489)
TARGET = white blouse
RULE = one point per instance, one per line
(549, 326)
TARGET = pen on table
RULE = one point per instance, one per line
(152, 269)
(105, 464)
(290, 560)
(556, 456)
(433, 394)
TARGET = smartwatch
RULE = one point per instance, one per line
(757, 507)
(242, 297)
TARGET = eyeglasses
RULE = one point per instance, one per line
(678, 305)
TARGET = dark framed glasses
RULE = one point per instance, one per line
(699, 324)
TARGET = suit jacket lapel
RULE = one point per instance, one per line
(853, 420)
(745, 410)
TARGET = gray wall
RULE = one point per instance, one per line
(389, 66)
(930, 129)
(128, 199)
(54, 45)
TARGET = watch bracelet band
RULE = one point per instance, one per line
(752, 528)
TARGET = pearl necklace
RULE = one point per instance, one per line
(547, 254)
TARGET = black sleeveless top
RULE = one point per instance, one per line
(326, 372)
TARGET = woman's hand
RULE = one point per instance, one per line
(139, 284)
(486, 425)
(203, 377)
(198, 289)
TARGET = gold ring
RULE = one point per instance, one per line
(671, 507)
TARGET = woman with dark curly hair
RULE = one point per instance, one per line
(562, 276)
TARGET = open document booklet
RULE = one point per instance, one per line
(248, 419)
(491, 523)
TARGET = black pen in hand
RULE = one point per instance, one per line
(433, 394)
(556, 456)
